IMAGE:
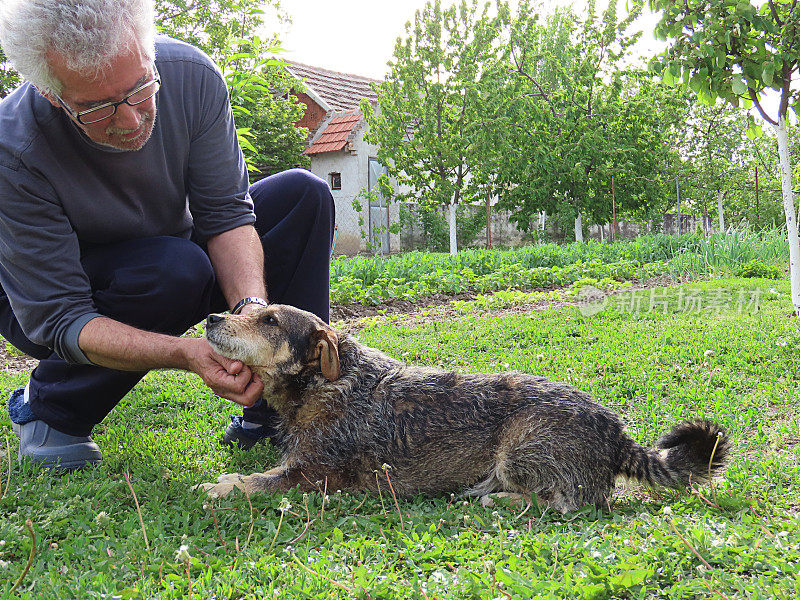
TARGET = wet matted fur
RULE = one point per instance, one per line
(347, 410)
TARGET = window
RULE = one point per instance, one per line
(335, 179)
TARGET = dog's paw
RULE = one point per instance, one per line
(514, 499)
(225, 485)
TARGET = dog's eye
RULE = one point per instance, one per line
(269, 320)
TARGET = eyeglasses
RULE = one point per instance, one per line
(108, 110)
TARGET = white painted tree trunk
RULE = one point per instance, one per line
(542, 220)
(720, 196)
(452, 220)
(789, 211)
(578, 228)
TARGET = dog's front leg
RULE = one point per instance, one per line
(279, 479)
(273, 480)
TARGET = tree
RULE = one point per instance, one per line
(430, 105)
(737, 51)
(9, 78)
(716, 151)
(578, 116)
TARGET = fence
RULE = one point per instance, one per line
(409, 231)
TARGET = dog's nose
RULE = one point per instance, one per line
(213, 319)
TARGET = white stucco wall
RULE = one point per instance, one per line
(355, 173)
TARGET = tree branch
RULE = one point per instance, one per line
(542, 93)
(775, 13)
(760, 109)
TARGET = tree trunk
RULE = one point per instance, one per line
(578, 228)
(542, 220)
(720, 196)
(452, 220)
(488, 219)
(789, 211)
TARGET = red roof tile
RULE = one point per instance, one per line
(335, 134)
(342, 91)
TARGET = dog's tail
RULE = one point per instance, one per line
(693, 450)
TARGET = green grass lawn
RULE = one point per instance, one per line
(739, 539)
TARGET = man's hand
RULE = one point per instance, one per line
(230, 379)
(112, 344)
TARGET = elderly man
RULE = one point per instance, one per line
(126, 217)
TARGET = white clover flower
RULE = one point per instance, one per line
(102, 518)
(182, 554)
(667, 510)
(285, 505)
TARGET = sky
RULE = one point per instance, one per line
(358, 36)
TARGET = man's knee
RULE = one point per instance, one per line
(163, 283)
(297, 192)
(184, 272)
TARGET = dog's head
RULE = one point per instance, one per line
(276, 341)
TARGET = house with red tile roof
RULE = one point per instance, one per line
(341, 156)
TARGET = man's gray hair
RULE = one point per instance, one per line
(88, 34)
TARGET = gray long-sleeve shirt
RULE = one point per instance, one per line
(60, 191)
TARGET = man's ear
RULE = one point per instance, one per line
(325, 347)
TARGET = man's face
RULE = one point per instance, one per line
(131, 126)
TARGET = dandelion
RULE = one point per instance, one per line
(182, 554)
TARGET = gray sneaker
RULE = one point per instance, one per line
(52, 449)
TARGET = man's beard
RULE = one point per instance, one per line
(131, 145)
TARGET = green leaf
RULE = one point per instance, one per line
(668, 76)
(738, 85)
(754, 131)
(768, 75)
(630, 578)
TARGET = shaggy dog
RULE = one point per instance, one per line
(355, 418)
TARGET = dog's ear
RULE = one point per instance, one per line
(325, 347)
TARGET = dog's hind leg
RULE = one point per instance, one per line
(549, 458)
